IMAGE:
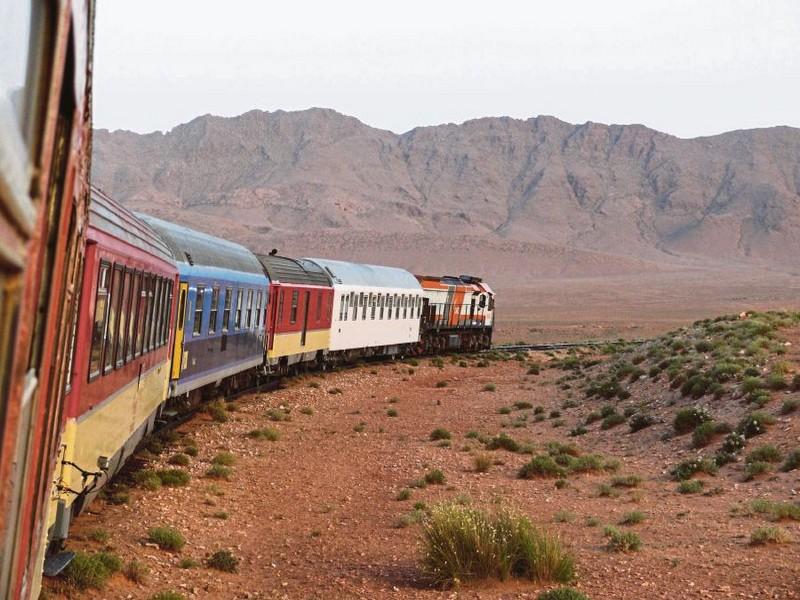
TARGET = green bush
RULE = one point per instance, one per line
(403, 494)
(690, 486)
(579, 430)
(219, 472)
(640, 421)
(612, 421)
(179, 459)
(752, 384)
(769, 535)
(688, 418)
(688, 468)
(776, 381)
(627, 481)
(504, 442)
(439, 434)
(754, 469)
(522, 405)
(489, 387)
(482, 462)
(766, 453)
(541, 466)
(792, 461)
(703, 434)
(224, 458)
(136, 571)
(167, 538)
(632, 518)
(434, 476)
(173, 477)
(268, 433)
(776, 511)
(223, 560)
(565, 593)
(754, 424)
(619, 541)
(91, 570)
(167, 595)
(733, 443)
(607, 410)
(789, 406)
(461, 543)
(392, 412)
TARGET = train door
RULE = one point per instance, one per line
(178, 355)
(305, 318)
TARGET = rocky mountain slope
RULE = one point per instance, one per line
(561, 198)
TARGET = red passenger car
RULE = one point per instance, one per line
(120, 369)
(45, 132)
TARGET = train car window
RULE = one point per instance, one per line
(226, 310)
(162, 329)
(364, 302)
(389, 306)
(354, 306)
(281, 294)
(124, 318)
(396, 307)
(258, 310)
(148, 322)
(198, 310)
(372, 307)
(248, 321)
(167, 316)
(156, 311)
(380, 306)
(319, 306)
(346, 306)
(114, 296)
(419, 306)
(130, 340)
(212, 314)
(293, 314)
(341, 308)
(151, 339)
(99, 327)
(141, 313)
(239, 296)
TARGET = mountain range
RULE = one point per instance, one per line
(518, 199)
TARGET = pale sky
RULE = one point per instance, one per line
(686, 67)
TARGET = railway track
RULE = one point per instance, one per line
(558, 345)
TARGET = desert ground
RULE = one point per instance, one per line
(317, 513)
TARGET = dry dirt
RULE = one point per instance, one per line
(314, 514)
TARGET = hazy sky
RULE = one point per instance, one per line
(687, 67)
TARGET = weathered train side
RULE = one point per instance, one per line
(45, 135)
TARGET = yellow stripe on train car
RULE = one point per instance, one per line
(286, 344)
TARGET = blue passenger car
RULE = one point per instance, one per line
(222, 305)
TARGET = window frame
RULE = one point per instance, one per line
(199, 300)
(109, 354)
(212, 312)
(237, 325)
(104, 265)
(248, 323)
(226, 309)
(293, 310)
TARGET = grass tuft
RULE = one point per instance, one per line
(167, 538)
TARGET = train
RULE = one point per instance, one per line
(110, 319)
(171, 317)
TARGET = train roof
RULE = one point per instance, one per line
(289, 270)
(348, 273)
(195, 248)
(109, 216)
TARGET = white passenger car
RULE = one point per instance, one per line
(376, 310)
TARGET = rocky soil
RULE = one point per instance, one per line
(315, 514)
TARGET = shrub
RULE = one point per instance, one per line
(504, 410)
(754, 424)
(703, 434)
(753, 469)
(136, 572)
(307, 410)
(607, 410)
(689, 418)
(99, 535)
(219, 472)
(359, 427)
(592, 417)
(504, 442)
(392, 412)
(776, 511)
(627, 481)
(218, 412)
(279, 414)
(268, 433)
(752, 384)
(522, 405)
(119, 497)
(179, 459)
(91, 570)
(148, 479)
(632, 518)
(403, 495)
(769, 535)
(190, 450)
(482, 462)
(690, 486)
(619, 541)
(335, 390)
(440, 434)
(434, 476)
(640, 421)
(167, 538)
(612, 421)
(173, 477)
(565, 593)
(789, 406)
(776, 381)
(462, 543)
(554, 414)
(606, 491)
(223, 560)
(489, 387)
(766, 453)
(441, 384)
(688, 468)
(224, 458)
(188, 563)
(167, 595)
(733, 443)
(563, 516)
(579, 430)
(541, 466)
(792, 461)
